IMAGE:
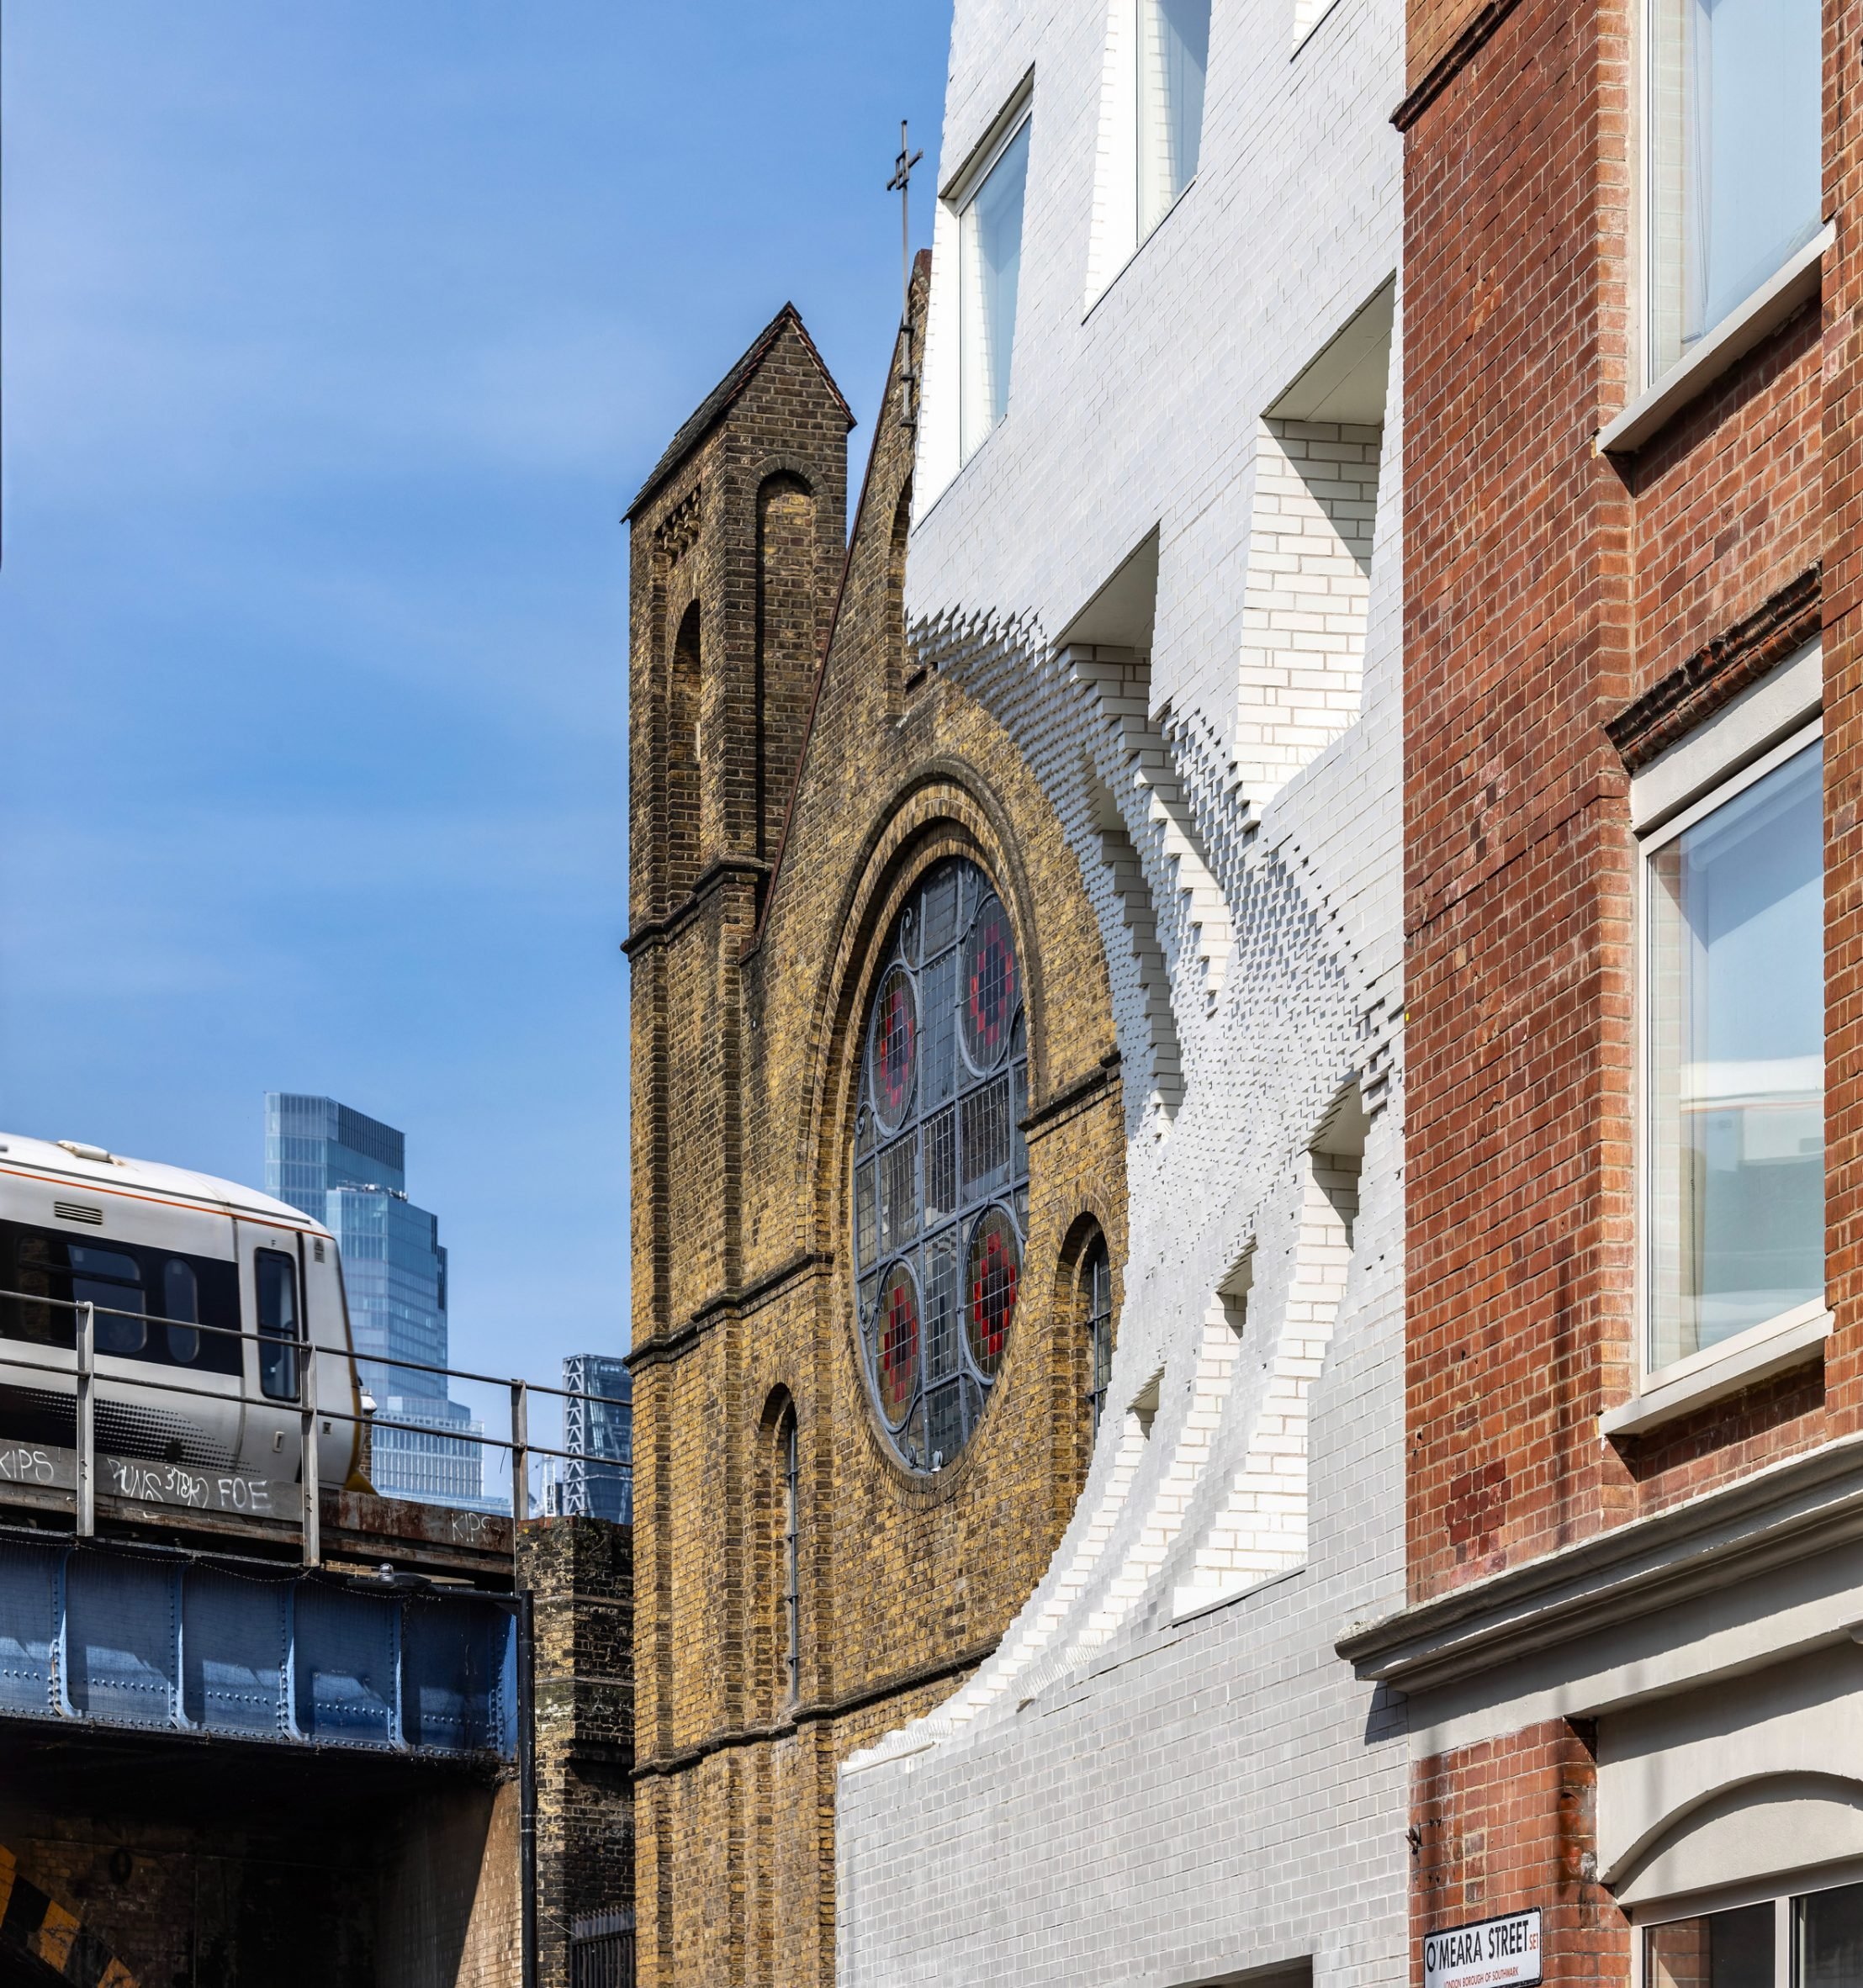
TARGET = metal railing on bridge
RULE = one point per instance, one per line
(296, 1366)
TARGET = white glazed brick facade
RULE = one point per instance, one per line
(1165, 1775)
(1310, 551)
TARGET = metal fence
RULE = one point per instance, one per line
(601, 1950)
(295, 1392)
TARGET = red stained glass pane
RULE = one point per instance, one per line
(894, 1046)
(989, 992)
(995, 1268)
(898, 1332)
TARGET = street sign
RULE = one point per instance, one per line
(1488, 1955)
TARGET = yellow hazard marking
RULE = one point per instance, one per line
(52, 1942)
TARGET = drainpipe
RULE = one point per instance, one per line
(526, 1783)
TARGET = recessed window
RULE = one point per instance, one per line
(1813, 1941)
(1735, 164)
(1173, 52)
(112, 1283)
(1734, 1008)
(129, 1286)
(989, 267)
(940, 1164)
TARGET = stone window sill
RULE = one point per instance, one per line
(1723, 348)
(1792, 1339)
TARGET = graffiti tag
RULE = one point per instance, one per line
(170, 1483)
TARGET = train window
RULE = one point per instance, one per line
(277, 1277)
(45, 1274)
(180, 1307)
(37, 1271)
(112, 1282)
(200, 1298)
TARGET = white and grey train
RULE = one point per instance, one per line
(175, 1264)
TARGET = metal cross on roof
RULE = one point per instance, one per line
(901, 183)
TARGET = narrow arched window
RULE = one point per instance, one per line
(681, 826)
(792, 1558)
(1096, 1307)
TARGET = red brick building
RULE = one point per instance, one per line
(1631, 345)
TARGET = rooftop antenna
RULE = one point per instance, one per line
(901, 183)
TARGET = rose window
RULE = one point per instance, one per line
(940, 1169)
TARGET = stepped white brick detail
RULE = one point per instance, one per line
(1118, 685)
(1141, 922)
(1174, 580)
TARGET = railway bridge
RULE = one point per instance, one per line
(399, 1759)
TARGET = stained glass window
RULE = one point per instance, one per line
(940, 1167)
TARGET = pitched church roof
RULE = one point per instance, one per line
(698, 424)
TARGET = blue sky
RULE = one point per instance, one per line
(336, 338)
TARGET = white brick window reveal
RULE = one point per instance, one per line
(1317, 459)
(1261, 1529)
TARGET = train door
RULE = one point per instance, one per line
(339, 1387)
(272, 1281)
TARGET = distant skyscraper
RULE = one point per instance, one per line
(349, 1170)
(597, 1479)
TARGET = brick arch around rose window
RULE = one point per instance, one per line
(950, 812)
(947, 808)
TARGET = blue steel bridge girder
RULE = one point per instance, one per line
(164, 1641)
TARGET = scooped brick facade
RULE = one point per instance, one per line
(1173, 567)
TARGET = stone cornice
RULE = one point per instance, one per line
(1717, 673)
(1456, 57)
(736, 1297)
(817, 1712)
(715, 873)
(1071, 1098)
(1786, 1513)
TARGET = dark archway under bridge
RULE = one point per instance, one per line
(188, 1861)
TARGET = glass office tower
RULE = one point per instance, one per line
(597, 1479)
(349, 1170)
